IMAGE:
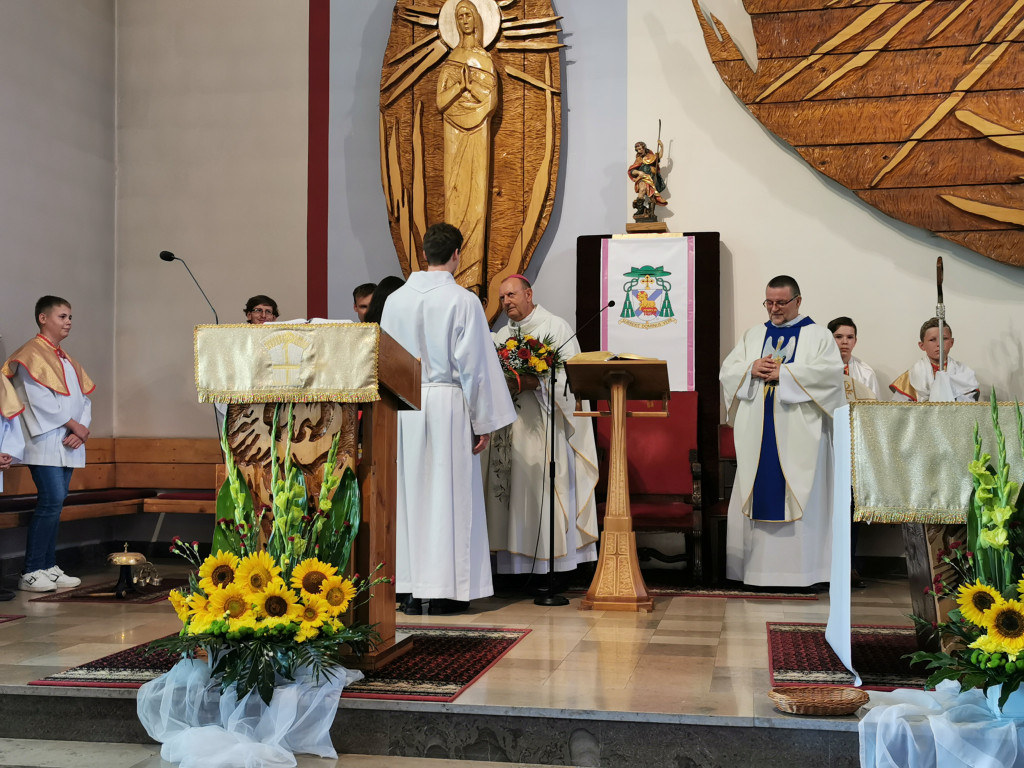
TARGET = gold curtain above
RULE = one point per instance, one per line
(287, 363)
(910, 459)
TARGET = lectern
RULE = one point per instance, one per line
(618, 584)
(329, 371)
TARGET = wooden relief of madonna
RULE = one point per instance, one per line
(470, 125)
(916, 106)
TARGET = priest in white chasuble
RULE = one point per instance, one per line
(782, 382)
(516, 461)
(441, 525)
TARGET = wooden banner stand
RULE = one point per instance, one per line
(618, 584)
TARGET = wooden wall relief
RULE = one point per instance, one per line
(470, 127)
(915, 105)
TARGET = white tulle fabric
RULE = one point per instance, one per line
(938, 729)
(199, 728)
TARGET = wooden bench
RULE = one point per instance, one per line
(125, 476)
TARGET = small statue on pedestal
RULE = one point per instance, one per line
(645, 173)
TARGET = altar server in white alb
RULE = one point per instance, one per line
(12, 443)
(441, 552)
(782, 382)
(859, 378)
(516, 461)
(55, 425)
(923, 382)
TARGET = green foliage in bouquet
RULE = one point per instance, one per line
(987, 627)
(262, 614)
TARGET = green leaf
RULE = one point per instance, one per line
(231, 541)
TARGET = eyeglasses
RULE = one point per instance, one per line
(768, 303)
(259, 311)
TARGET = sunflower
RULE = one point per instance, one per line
(200, 619)
(277, 602)
(231, 603)
(315, 612)
(1020, 587)
(1005, 622)
(180, 603)
(257, 571)
(975, 599)
(217, 571)
(309, 576)
(337, 593)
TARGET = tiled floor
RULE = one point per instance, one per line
(692, 655)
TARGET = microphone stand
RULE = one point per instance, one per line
(549, 595)
(168, 256)
(940, 313)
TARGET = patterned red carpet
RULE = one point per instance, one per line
(104, 593)
(799, 655)
(443, 662)
(5, 617)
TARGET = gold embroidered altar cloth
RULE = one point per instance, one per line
(287, 363)
(909, 460)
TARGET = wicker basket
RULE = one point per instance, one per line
(818, 700)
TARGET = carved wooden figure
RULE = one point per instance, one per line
(917, 106)
(470, 126)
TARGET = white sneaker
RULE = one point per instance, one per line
(60, 579)
(37, 581)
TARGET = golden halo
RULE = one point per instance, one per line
(489, 15)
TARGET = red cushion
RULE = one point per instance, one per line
(726, 446)
(656, 513)
(657, 450)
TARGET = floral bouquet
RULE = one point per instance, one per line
(262, 614)
(987, 626)
(521, 353)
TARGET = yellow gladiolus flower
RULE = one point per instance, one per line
(1006, 625)
(310, 574)
(338, 593)
(257, 571)
(975, 599)
(217, 571)
(994, 538)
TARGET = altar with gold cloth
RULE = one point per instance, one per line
(905, 463)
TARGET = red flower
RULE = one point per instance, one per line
(955, 544)
(523, 353)
(503, 354)
(534, 344)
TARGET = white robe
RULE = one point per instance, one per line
(795, 552)
(515, 467)
(963, 384)
(863, 383)
(12, 441)
(441, 523)
(45, 415)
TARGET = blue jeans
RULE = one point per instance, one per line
(51, 490)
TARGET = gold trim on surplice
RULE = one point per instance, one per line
(287, 363)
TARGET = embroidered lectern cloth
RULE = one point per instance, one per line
(910, 460)
(287, 363)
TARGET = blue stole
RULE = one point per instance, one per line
(768, 499)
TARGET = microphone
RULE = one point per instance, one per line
(168, 256)
(591, 319)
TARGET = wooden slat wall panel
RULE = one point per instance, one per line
(179, 506)
(183, 476)
(18, 481)
(139, 450)
(99, 450)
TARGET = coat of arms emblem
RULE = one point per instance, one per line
(647, 303)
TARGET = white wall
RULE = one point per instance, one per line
(777, 215)
(57, 182)
(212, 156)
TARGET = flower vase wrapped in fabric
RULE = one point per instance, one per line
(986, 629)
(269, 622)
